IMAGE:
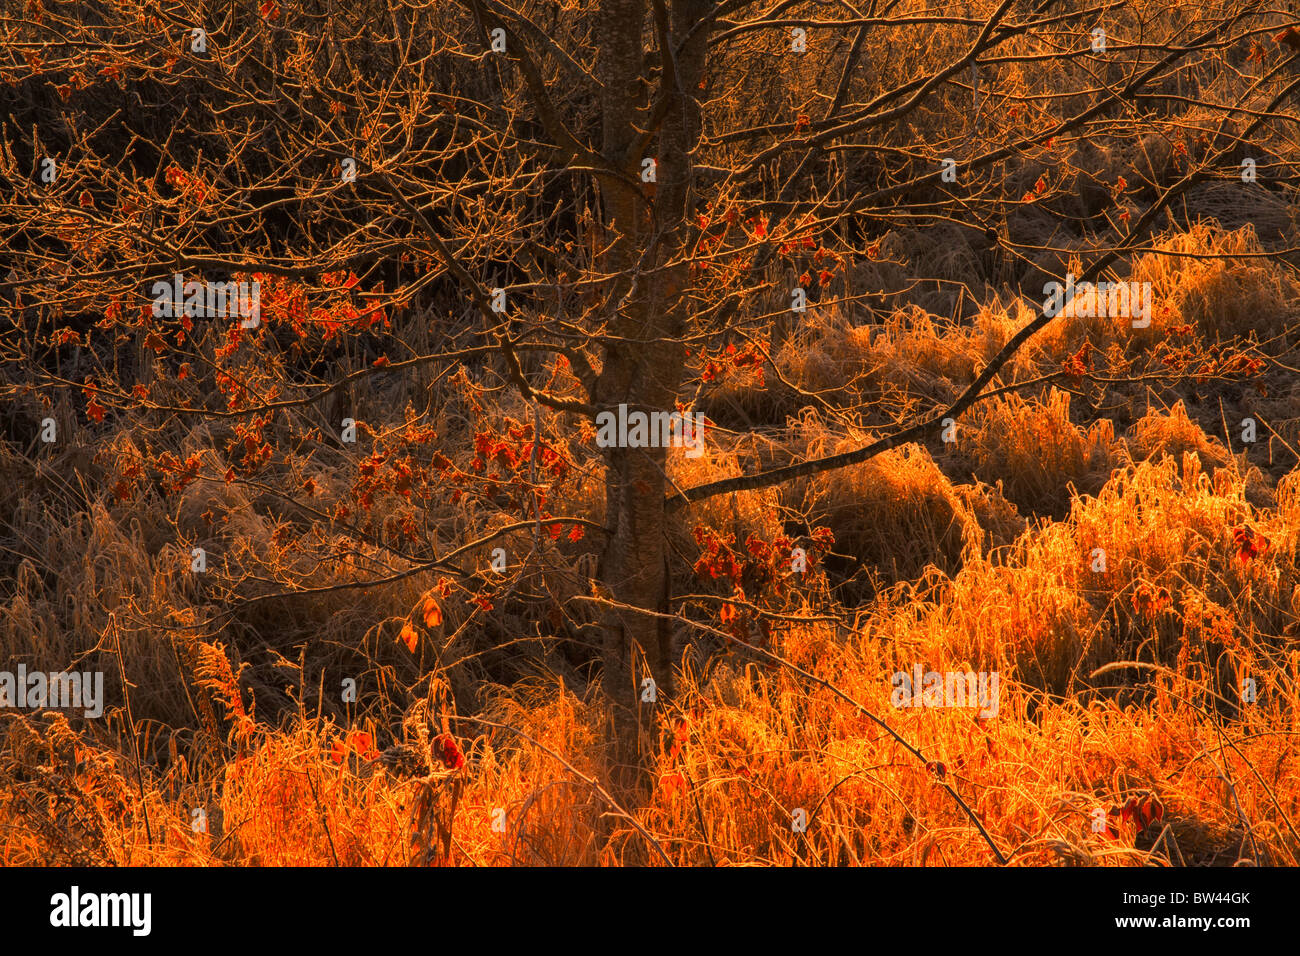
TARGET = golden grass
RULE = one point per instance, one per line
(746, 747)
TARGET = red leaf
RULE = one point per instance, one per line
(448, 751)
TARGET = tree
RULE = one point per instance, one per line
(496, 187)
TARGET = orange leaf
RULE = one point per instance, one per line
(432, 613)
(408, 637)
(364, 744)
(672, 783)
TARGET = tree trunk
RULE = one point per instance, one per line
(643, 367)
